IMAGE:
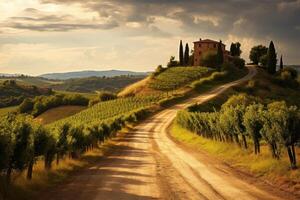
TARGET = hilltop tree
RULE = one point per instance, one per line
(186, 54)
(257, 52)
(281, 64)
(181, 54)
(220, 56)
(235, 49)
(272, 60)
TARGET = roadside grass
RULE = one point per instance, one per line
(263, 165)
(58, 113)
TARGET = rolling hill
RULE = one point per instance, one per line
(85, 74)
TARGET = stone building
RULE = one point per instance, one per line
(203, 46)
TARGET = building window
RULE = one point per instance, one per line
(199, 45)
(199, 52)
(215, 45)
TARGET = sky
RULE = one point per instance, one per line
(41, 36)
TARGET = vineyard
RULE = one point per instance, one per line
(245, 121)
(109, 109)
(176, 77)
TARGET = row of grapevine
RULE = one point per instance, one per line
(241, 119)
(109, 109)
(176, 77)
(23, 142)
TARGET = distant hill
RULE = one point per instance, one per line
(85, 74)
(92, 84)
(13, 93)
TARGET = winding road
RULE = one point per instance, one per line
(147, 164)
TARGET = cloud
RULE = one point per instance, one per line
(36, 20)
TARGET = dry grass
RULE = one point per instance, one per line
(140, 87)
(58, 113)
(263, 165)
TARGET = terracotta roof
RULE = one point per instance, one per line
(206, 41)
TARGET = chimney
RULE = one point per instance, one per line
(200, 39)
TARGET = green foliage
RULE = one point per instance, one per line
(220, 55)
(238, 62)
(26, 106)
(13, 93)
(235, 49)
(241, 119)
(109, 109)
(106, 96)
(256, 52)
(272, 59)
(186, 54)
(281, 64)
(158, 70)
(263, 60)
(174, 78)
(41, 104)
(209, 59)
(172, 62)
(181, 56)
(92, 84)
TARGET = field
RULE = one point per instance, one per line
(58, 113)
(4, 111)
(261, 166)
(109, 109)
(176, 77)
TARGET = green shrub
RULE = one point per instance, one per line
(238, 62)
(106, 96)
(26, 106)
(209, 59)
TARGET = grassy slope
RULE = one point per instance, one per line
(176, 77)
(264, 165)
(171, 79)
(4, 111)
(58, 113)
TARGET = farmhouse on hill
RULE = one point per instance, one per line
(203, 46)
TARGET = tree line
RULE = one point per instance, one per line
(243, 118)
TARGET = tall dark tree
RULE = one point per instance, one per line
(281, 64)
(180, 53)
(235, 49)
(186, 54)
(272, 59)
(220, 55)
(232, 49)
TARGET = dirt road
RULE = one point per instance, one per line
(147, 164)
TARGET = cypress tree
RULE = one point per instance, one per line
(220, 58)
(181, 53)
(272, 60)
(186, 54)
(281, 63)
(232, 49)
